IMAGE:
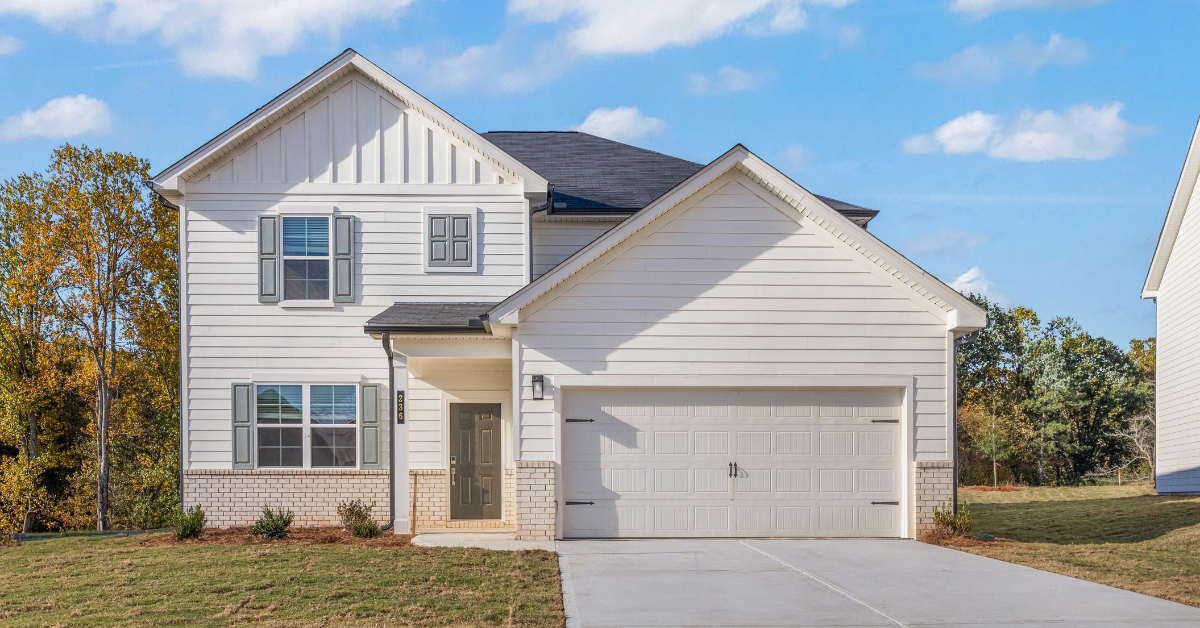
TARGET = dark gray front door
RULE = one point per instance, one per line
(476, 484)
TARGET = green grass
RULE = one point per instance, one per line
(1126, 537)
(116, 582)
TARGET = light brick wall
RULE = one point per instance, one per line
(233, 498)
(933, 486)
(430, 498)
(537, 505)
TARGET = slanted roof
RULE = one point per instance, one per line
(961, 315)
(592, 174)
(410, 318)
(1174, 220)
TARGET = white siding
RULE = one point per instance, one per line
(231, 335)
(733, 286)
(1178, 388)
(352, 132)
(554, 242)
(439, 379)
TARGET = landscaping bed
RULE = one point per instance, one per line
(1126, 537)
(317, 577)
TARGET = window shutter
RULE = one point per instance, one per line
(343, 259)
(243, 427)
(371, 428)
(268, 259)
(439, 240)
(460, 240)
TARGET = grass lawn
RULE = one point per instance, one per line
(1125, 537)
(123, 582)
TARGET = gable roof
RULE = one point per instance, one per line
(1175, 213)
(593, 175)
(346, 62)
(961, 314)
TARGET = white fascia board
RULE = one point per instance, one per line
(315, 82)
(968, 316)
(507, 310)
(1174, 219)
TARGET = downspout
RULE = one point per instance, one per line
(149, 184)
(549, 207)
(387, 348)
(958, 342)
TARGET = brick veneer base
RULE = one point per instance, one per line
(430, 502)
(235, 497)
(537, 505)
(933, 486)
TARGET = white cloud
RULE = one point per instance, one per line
(849, 36)
(946, 242)
(222, 38)
(985, 65)
(728, 79)
(9, 45)
(622, 124)
(1084, 131)
(68, 116)
(505, 66)
(796, 157)
(979, 9)
(975, 281)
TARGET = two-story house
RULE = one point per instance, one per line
(550, 332)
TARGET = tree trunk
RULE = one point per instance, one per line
(103, 406)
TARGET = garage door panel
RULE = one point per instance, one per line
(659, 463)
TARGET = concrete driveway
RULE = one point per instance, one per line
(833, 583)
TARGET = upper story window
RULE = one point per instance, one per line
(305, 258)
(450, 240)
(307, 425)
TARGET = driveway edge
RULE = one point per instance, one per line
(570, 607)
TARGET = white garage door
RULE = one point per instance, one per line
(662, 463)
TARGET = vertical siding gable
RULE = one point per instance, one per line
(731, 284)
(353, 132)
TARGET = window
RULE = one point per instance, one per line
(307, 425)
(305, 258)
(449, 241)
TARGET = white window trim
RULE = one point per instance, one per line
(451, 210)
(306, 424)
(326, 212)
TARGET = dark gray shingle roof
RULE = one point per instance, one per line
(430, 317)
(592, 174)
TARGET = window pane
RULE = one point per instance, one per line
(334, 447)
(280, 404)
(305, 279)
(280, 447)
(333, 404)
(306, 237)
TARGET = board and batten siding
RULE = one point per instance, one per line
(230, 335)
(555, 241)
(728, 284)
(1178, 376)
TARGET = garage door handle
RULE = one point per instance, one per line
(571, 503)
(872, 503)
(581, 420)
(885, 420)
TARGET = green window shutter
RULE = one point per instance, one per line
(243, 427)
(371, 428)
(343, 259)
(439, 240)
(268, 259)
(460, 241)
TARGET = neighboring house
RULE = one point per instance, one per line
(1174, 284)
(588, 339)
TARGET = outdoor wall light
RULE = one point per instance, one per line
(539, 387)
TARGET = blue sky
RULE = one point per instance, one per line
(1026, 148)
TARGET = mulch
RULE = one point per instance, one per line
(299, 536)
(993, 489)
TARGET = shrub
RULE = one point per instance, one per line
(273, 524)
(955, 524)
(356, 516)
(188, 523)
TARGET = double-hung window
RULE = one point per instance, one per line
(305, 258)
(307, 425)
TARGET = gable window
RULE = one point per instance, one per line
(305, 258)
(450, 243)
(307, 425)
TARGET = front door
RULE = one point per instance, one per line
(476, 486)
